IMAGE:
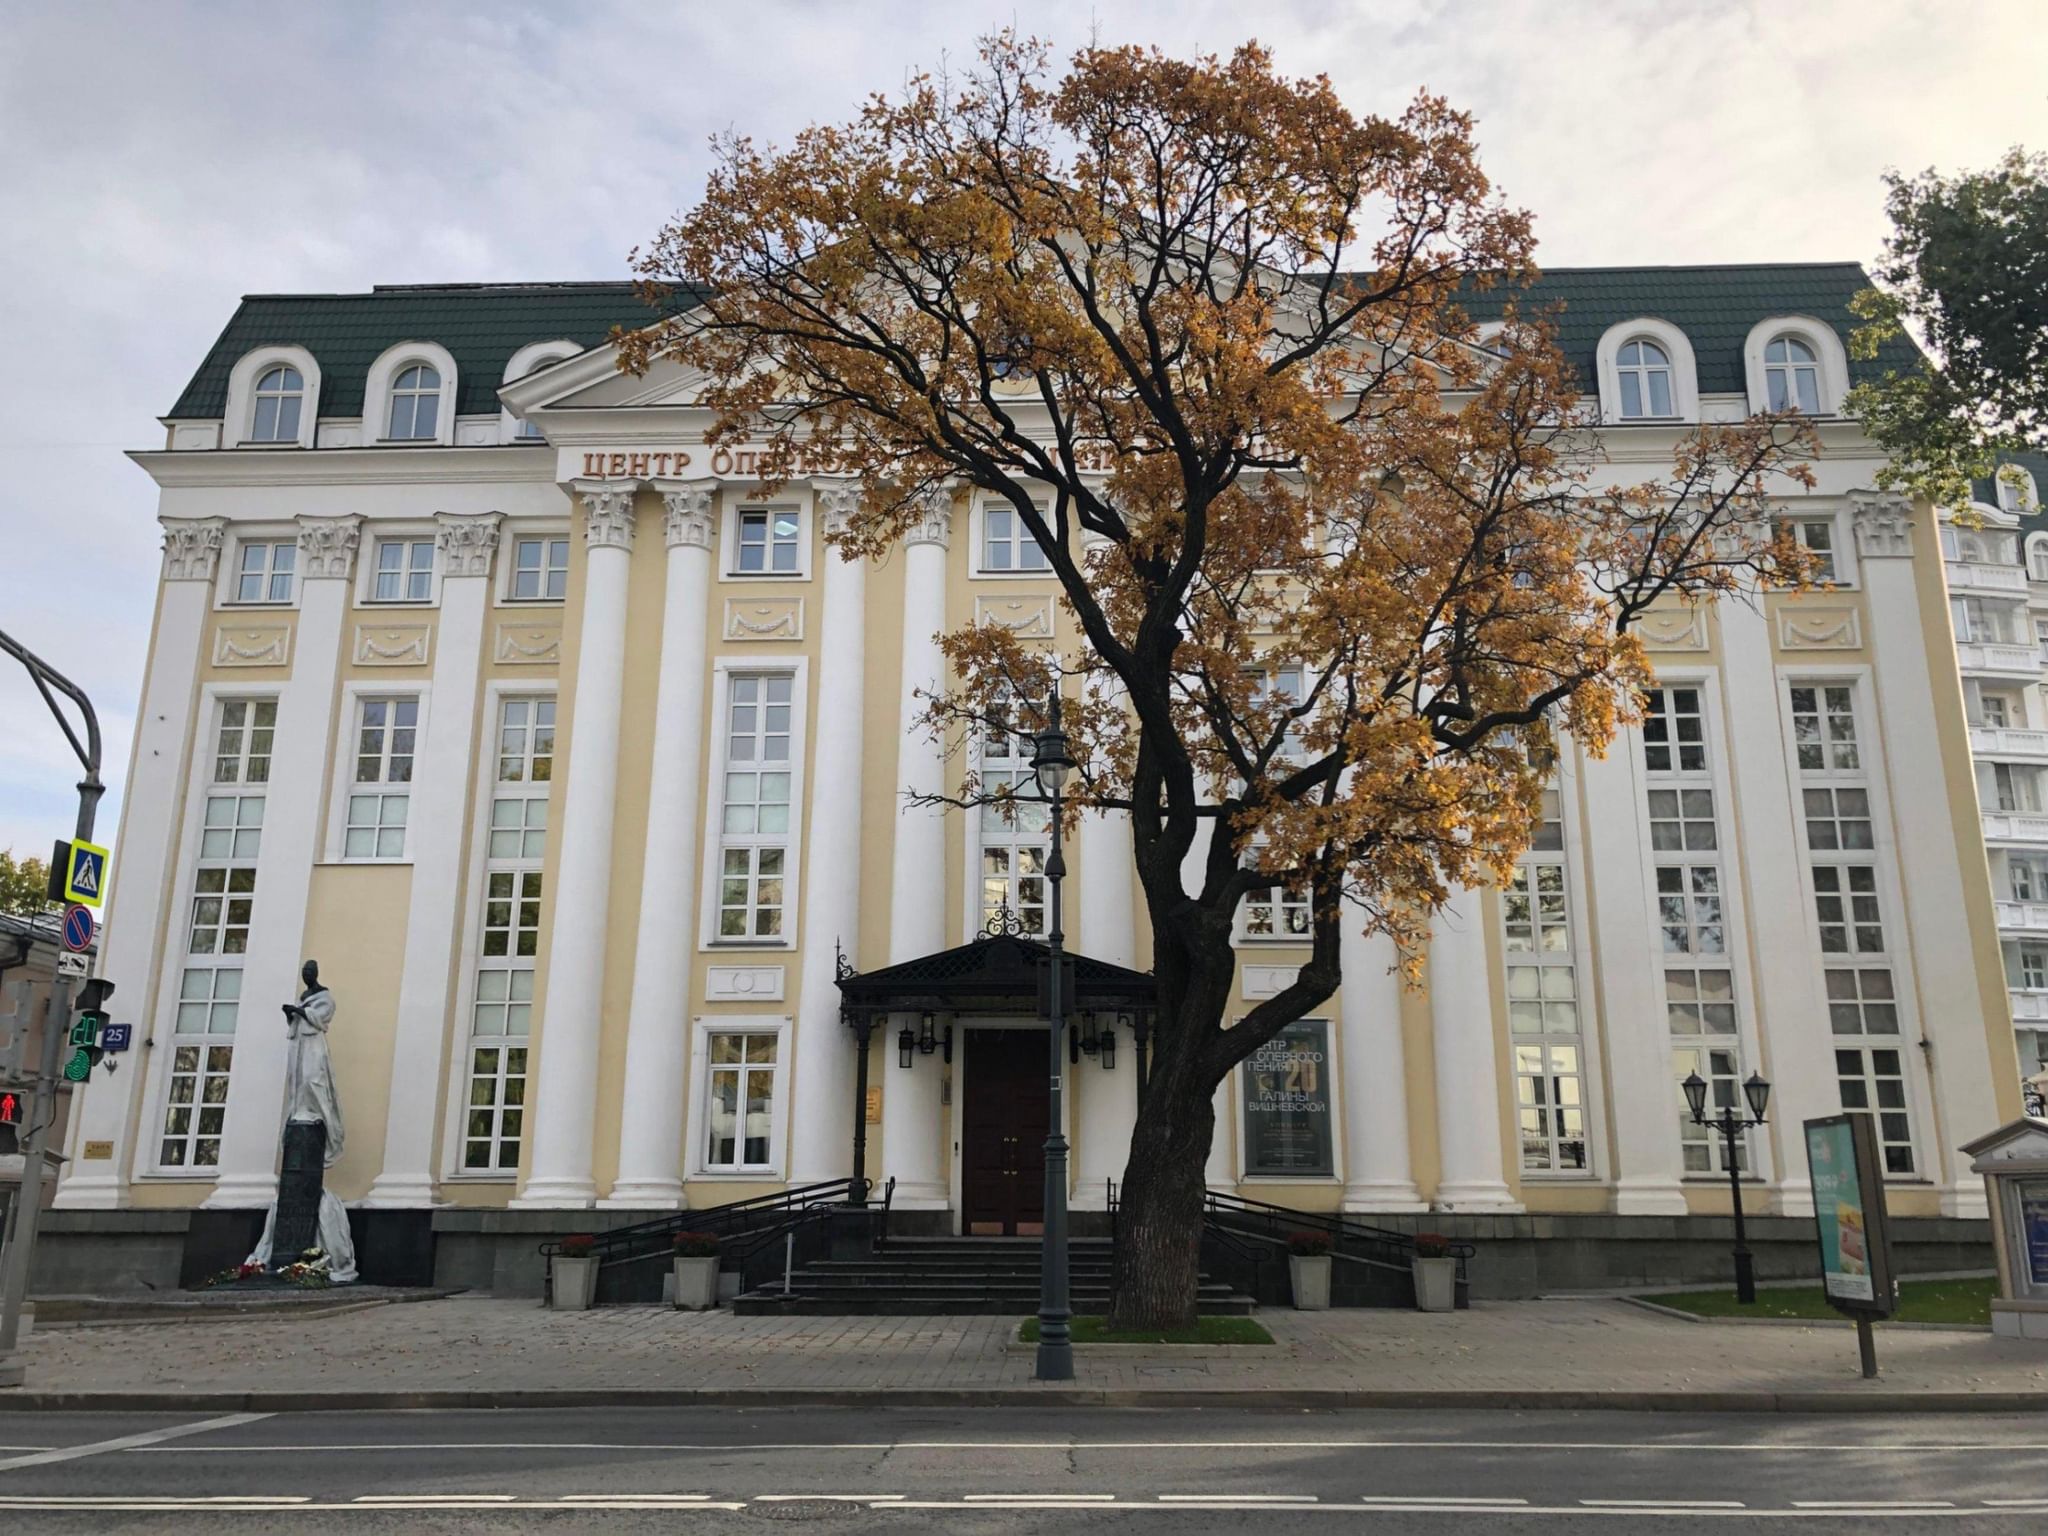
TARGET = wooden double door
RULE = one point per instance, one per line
(1007, 1096)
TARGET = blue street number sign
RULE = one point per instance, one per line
(78, 929)
(117, 1037)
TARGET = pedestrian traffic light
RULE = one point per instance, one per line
(10, 1121)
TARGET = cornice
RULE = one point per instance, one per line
(206, 468)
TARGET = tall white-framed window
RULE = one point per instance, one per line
(279, 398)
(415, 404)
(1719, 1067)
(2037, 558)
(404, 571)
(1282, 914)
(1543, 1003)
(218, 916)
(1016, 833)
(1283, 687)
(756, 802)
(768, 542)
(1849, 913)
(1792, 375)
(1643, 369)
(2026, 876)
(493, 1113)
(380, 782)
(263, 570)
(1007, 546)
(1689, 880)
(540, 568)
(739, 1069)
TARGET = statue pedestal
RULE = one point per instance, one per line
(297, 1227)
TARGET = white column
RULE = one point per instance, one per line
(913, 1149)
(821, 1102)
(1792, 1023)
(1108, 931)
(442, 772)
(1642, 1087)
(145, 854)
(565, 1107)
(1927, 811)
(284, 868)
(1220, 1170)
(657, 1025)
(1377, 1172)
(1467, 1069)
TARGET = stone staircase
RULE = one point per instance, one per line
(952, 1276)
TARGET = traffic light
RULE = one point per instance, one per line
(85, 1029)
(10, 1120)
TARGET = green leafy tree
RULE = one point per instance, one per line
(24, 884)
(1966, 270)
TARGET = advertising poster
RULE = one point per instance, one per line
(1287, 1104)
(2034, 1229)
(1839, 1209)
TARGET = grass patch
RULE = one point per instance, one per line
(1207, 1330)
(1920, 1301)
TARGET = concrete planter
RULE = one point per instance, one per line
(1310, 1277)
(1436, 1284)
(696, 1283)
(574, 1283)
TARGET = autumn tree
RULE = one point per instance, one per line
(24, 885)
(1200, 326)
(1966, 269)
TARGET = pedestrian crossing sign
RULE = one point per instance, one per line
(85, 875)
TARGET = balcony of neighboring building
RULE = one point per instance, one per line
(2026, 978)
(2029, 1004)
(2005, 580)
(2009, 743)
(2012, 798)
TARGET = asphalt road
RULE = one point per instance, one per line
(1017, 1471)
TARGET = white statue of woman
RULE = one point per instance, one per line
(309, 1098)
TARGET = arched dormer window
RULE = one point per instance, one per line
(1791, 376)
(523, 364)
(1643, 370)
(280, 397)
(415, 403)
(1795, 363)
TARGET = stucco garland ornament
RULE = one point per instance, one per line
(307, 1220)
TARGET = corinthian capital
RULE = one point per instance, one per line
(327, 546)
(934, 523)
(466, 541)
(607, 513)
(838, 501)
(192, 548)
(688, 521)
(1883, 524)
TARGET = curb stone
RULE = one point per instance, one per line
(1797, 1322)
(1305, 1399)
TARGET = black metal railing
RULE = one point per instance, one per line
(1351, 1240)
(656, 1238)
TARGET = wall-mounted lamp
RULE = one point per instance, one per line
(927, 1036)
(906, 1042)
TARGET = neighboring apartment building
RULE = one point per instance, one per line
(1996, 555)
(577, 761)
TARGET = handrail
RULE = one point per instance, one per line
(1325, 1221)
(642, 1239)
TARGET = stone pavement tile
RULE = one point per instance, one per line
(479, 1343)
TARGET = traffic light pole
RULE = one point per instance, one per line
(26, 1212)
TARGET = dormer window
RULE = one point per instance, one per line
(1792, 376)
(1644, 371)
(415, 403)
(280, 394)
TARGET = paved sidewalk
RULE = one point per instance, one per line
(477, 1351)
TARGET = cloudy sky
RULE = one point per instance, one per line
(159, 159)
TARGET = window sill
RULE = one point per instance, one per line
(340, 863)
(507, 1176)
(396, 602)
(267, 447)
(1288, 1178)
(273, 604)
(790, 576)
(1553, 1176)
(764, 1175)
(178, 1176)
(1047, 574)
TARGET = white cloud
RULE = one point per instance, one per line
(227, 148)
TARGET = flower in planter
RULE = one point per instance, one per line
(1308, 1245)
(1432, 1245)
(696, 1245)
(578, 1245)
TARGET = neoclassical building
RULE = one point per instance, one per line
(580, 764)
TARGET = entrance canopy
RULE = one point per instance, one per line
(999, 972)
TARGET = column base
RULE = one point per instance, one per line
(644, 1195)
(104, 1193)
(1387, 1197)
(555, 1195)
(1649, 1197)
(400, 1192)
(243, 1192)
(1481, 1195)
(1965, 1200)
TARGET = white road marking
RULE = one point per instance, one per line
(835, 1498)
(1663, 1503)
(128, 1442)
(1060, 1498)
(1428, 1498)
(203, 1500)
(614, 1498)
(2016, 1503)
(435, 1498)
(1860, 1505)
(1874, 1447)
(1237, 1498)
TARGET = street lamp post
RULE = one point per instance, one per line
(1051, 762)
(1731, 1125)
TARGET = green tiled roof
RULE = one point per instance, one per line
(1716, 307)
(481, 325)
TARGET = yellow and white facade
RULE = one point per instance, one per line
(578, 760)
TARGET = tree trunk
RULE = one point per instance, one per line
(1159, 1209)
